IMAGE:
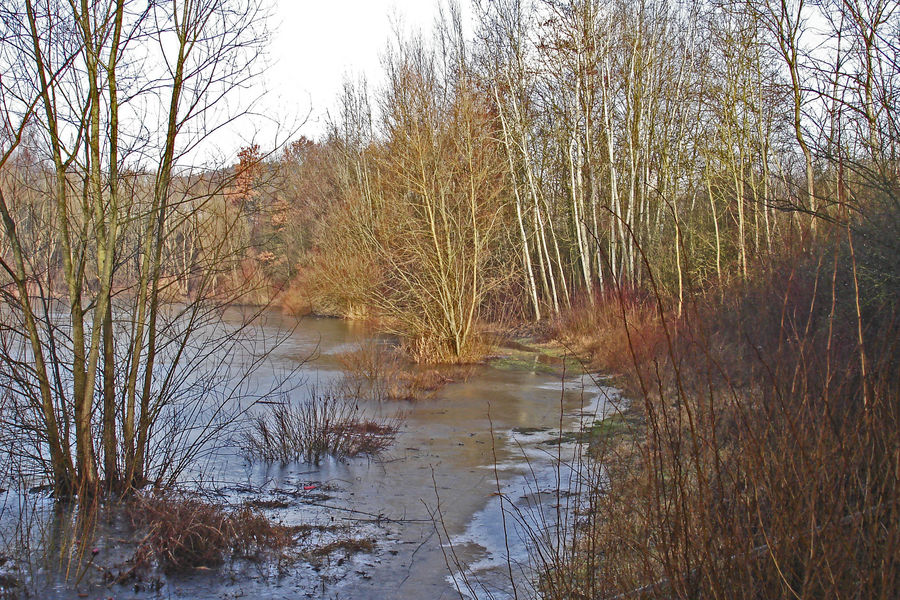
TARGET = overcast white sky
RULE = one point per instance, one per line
(318, 42)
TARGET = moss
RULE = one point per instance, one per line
(561, 356)
(536, 362)
(615, 426)
(521, 363)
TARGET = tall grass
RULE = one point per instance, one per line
(381, 372)
(617, 331)
(325, 424)
(766, 465)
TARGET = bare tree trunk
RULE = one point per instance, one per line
(63, 474)
(525, 252)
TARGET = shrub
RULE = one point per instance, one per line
(185, 532)
(767, 463)
(325, 424)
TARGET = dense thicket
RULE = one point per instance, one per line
(569, 146)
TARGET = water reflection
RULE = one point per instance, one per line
(498, 431)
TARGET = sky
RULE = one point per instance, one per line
(317, 43)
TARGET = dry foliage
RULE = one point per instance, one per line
(325, 424)
(616, 331)
(184, 532)
(766, 465)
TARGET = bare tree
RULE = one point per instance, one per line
(442, 170)
(88, 80)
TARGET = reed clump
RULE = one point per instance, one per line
(381, 372)
(325, 424)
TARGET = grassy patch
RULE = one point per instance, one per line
(549, 361)
(615, 425)
(599, 434)
(521, 363)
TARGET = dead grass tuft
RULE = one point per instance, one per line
(325, 424)
(380, 372)
(348, 546)
(182, 532)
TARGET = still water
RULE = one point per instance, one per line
(451, 507)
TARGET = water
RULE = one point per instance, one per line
(434, 503)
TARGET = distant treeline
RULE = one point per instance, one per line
(567, 147)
